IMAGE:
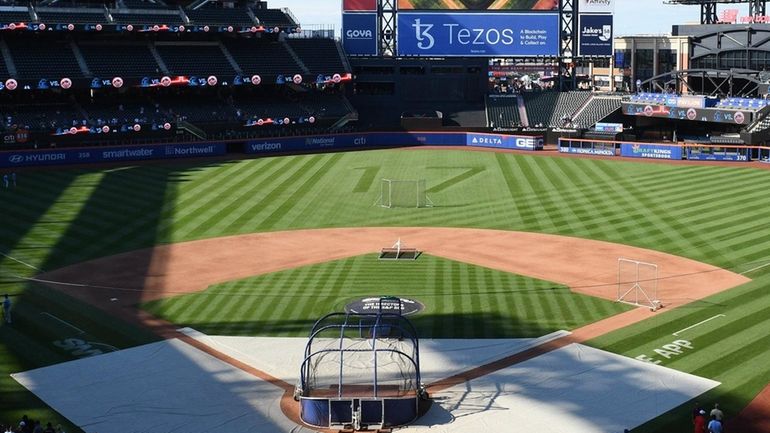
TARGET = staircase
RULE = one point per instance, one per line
(522, 111)
(9, 64)
(80, 59)
(296, 58)
(158, 58)
(230, 59)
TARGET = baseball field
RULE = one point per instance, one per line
(711, 214)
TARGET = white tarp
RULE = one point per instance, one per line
(439, 359)
(171, 386)
(162, 387)
(575, 389)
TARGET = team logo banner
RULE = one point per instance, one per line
(596, 6)
(549, 5)
(359, 34)
(595, 35)
(481, 35)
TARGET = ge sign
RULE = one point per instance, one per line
(472, 34)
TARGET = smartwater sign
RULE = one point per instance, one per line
(108, 154)
(642, 150)
(595, 35)
(359, 34)
(474, 34)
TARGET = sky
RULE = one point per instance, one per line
(631, 16)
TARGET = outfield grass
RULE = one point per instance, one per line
(712, 214)
(461, 300)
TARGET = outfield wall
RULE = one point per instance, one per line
(391, 139)
(312, 143)
(90, 155)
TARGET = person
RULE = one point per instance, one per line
(696, 410)
(7, 314)
(13, 179)
(699, 423)
(5, 180)
(716, 412)
(715, 425)
(49, 428)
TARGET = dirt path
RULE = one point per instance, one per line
(117, 283)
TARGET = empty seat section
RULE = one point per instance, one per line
(82, 17)
(596, 110)
(184, 59)
(147, 19)
(262, 57)
(107, 61)
(503, 111)
(16, 16)
(219, 16)
(273, 17)
(319, 55)
(53, 59)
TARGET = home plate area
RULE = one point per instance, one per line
(172, 386)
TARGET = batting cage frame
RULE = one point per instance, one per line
(638, 284)
(360, 371)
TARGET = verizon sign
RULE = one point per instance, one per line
(597, 6)
(732, 16)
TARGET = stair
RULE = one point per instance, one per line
(158, 58)
(81, 61)
(344, 58)
(522, 111)
(230, 59)
(9, 64)
(296, 58)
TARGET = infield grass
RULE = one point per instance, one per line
(461, 300)
(716, 215)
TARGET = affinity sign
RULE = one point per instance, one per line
(359, 34)
(474, 34)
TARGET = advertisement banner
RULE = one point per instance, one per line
(716, 115)
(519, 142)
(359, 5)
(642, 150)
(509, 5)
(596, 6)
(478, 34)
(712, 154)
(391, 139)
(108, 154)
(609, 127)
(359, 34)
(586, 148)
(595, 35)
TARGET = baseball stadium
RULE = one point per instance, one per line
(452, 216)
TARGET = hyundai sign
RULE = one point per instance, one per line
(359, 34)
(595, 35)
(478, 34)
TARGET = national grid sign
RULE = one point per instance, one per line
(479, 35)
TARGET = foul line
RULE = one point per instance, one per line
(676, 334)
(19, 261)
(80, 331)
(756, 269)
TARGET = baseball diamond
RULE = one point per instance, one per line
(504, 214)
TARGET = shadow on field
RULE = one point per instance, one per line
(103, 212)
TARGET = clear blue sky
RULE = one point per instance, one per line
(631, 16)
